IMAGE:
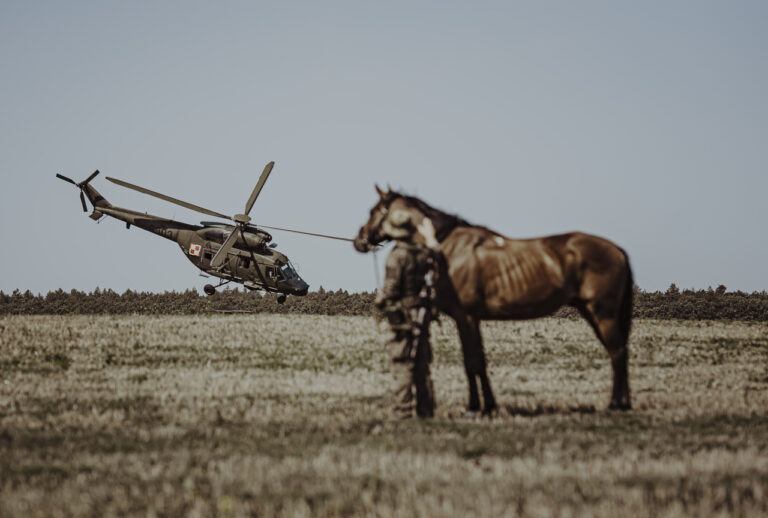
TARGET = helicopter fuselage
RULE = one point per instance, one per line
(249, 262)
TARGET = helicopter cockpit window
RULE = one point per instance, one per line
(288, 272)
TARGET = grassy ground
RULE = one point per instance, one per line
(288, 415)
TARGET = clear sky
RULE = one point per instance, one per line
(644, 122)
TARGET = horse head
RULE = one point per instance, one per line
(395, 217)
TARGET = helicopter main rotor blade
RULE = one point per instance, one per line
(82, 200)
(221, 254)
(310, 233)
(168, 198)
(259, 186)
(70, 180)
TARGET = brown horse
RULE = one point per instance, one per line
(485, 275)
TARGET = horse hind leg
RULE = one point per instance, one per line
(620, 399)
(613, 336)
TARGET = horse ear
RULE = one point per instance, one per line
(389, 189)
(378, 190)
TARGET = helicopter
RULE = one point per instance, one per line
(237, 252)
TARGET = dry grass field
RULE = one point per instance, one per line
(276, 415)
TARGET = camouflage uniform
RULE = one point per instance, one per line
(400, 300)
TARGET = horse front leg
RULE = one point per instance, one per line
(488, 399)
(475, 366)
(474, 396)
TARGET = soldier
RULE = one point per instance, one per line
(405, 301)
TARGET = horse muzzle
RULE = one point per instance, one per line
(362, 244)
(367, 240)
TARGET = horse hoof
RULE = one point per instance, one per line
(623, 406)
(490, 413)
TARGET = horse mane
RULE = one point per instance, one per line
(443, 222)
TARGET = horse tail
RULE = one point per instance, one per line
(625, 311)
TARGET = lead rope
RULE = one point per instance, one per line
(377, 315)
(376, 271)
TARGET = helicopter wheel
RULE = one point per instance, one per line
(281, 298)
(209, 289)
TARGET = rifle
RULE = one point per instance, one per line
(423, 317)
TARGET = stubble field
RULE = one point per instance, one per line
(288, 415)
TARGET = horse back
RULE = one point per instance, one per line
(495, 277)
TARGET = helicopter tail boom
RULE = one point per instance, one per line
(96, 199)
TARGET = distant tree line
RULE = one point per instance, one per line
(187, 302)
(709, 304)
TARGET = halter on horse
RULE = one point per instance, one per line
(485, 275)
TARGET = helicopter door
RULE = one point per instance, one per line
(206, 257)
(243, 263)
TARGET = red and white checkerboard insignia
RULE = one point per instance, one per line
(194, 250)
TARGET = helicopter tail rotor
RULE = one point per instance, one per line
(70, 180)
(82, 185)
